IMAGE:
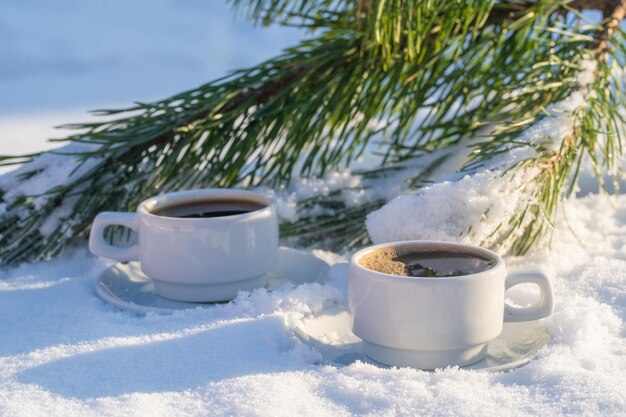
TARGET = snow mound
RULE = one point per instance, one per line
(467, 210)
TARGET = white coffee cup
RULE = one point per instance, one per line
(434, 322)
(196, 259)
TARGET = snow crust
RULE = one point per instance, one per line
(64, 352)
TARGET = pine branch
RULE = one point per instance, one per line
(614, 11)
(596, 121)
(422, 76)
(606, 100)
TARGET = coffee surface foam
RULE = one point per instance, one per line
(409, 261)
(382, 260)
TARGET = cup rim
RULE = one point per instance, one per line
(362, 252)
(184, 195)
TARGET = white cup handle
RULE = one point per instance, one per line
(542, 308)
(99, 246)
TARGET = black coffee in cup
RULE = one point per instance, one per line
(425, 262)
(208, 209)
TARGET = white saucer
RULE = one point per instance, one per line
(330, 335)
(126, 287)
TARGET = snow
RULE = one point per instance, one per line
(51, 169)
(66, 352)
(585, 77)
(303, 188)
(467, 210)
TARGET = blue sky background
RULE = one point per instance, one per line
(83, 54)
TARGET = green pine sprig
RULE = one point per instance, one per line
(405, 78)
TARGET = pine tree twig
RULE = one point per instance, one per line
(614, 11)
(433, 74)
